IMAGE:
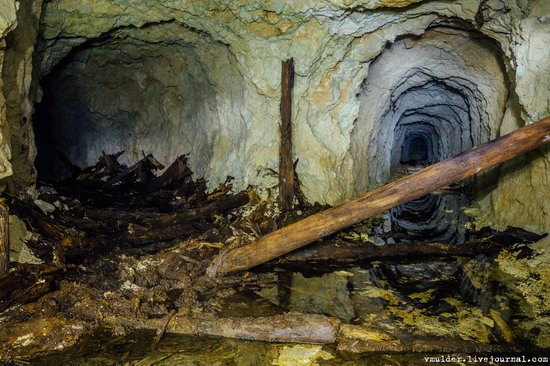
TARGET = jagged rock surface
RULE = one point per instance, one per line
(17, 86)
(227, 57)
(7, 24)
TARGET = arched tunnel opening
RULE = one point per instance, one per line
(415, 150)
(142, 96)
(431, 121)
(433, 106)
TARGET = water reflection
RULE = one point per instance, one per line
(401, 299)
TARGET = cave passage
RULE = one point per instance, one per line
(430, 125)
(415, 151)
(423, 102)
(122, 96)
(141, 96)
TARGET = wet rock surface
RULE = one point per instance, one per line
(234, 71)
(382, 88)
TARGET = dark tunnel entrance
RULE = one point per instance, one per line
(122, 95)
(425, 136)
(423, 102)
(414, 151)
(142, 96)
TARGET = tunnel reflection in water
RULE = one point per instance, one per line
(436, 217)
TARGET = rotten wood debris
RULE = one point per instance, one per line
(109, 215)
(111, 206)
(107, 209)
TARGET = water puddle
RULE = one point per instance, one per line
(437, 299)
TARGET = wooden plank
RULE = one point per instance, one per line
(286, 168)
(309, 328)
(403, 190)
(4, 238)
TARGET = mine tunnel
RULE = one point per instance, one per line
(273, 183)
(415, 150)
(434, 110)
(138, 97)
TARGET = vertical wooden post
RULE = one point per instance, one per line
(286, 168)
(4, 238)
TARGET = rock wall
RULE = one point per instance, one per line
(521, 198)
(233, 53)
(7, 24)
(163, 90)
(17, 78)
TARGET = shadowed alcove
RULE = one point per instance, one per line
(140, 93)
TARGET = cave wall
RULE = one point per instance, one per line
(7, 23)
(17, 79)
(521, 197)
(163, 90)
(334, 44)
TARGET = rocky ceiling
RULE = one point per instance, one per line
(203, 77)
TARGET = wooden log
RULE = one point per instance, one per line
(156, 219)
(217, 206)
(349, 252)
(139, 235)
(291, 327)
(286, 167)
(4, 238)
(403, 190)
(309, 328)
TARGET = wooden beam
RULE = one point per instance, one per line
(291, 327)
(286, 168)
(338, 250)
(403, 190)
(4, 238)
(309, 328)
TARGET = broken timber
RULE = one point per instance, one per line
(4, 238)
(286, 166)
(308, 328)
(403, 190)
(343, 251)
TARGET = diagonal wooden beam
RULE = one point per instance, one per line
(401, 191)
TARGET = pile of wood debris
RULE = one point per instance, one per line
(110, 209)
